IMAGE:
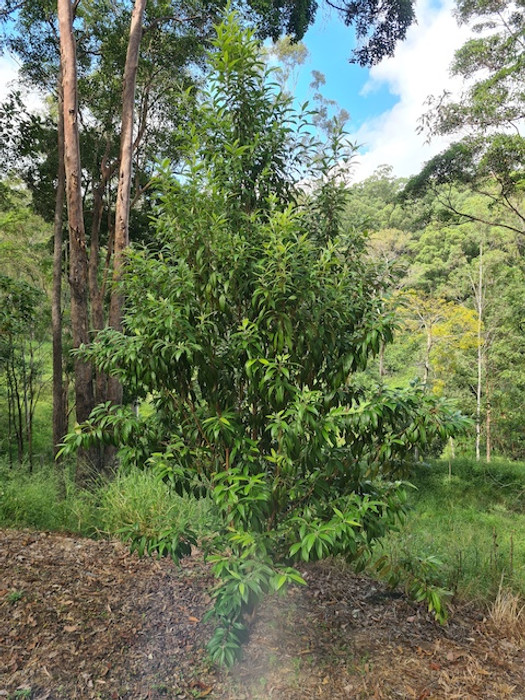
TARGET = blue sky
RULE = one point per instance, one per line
(386, 101)
(330, 45)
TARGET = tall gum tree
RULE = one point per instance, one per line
(97, 161)
(121, 239)
(78, 260)
(59, 397)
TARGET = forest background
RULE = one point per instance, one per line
(453, 257)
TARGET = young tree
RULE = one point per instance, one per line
(22, 319)
(24, 282)
(243, 330)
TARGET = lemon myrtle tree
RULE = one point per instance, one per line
(245, 323)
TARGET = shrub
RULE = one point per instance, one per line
(244, 326)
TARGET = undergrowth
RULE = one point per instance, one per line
(472, 519)
(45, 499)
(48, 499)
(143, 510)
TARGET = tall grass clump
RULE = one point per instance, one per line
(507, 614)
(140, 507)
(46, 499)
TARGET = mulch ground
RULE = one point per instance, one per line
(86, 619)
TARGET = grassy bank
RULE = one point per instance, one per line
(48, 499)
(472, 517)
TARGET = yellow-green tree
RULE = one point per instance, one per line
(447, 329)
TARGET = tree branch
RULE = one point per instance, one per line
(179, 20)
(448, 205)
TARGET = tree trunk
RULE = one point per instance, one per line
(95, 291)
(59, 409)
(125, 174)
(30, 400)
(18, 416)
(9, 420)
(479, 304)
(488, 435)
(78, 263)
(478, 408)
(428, 348)
(25, 378)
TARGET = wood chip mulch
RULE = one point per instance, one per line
(85, 619)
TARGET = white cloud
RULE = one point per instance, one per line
(8, 75)
(420, 68)
(9, 81)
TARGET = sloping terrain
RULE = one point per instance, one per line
(85, 619)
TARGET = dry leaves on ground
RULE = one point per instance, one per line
(85, 619)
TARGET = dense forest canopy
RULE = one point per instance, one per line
(478, 182)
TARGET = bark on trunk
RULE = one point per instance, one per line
(488, 425)
(95, 291)
(78, 262)
(125, 174)
(479, 300)
(59, 408)
(97, 312)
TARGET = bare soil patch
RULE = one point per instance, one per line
(86, 619)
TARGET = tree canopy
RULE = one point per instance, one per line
(488, 116)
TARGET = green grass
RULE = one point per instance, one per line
(45, 499)
(140, 498)
(48, 499)
(473, 520)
